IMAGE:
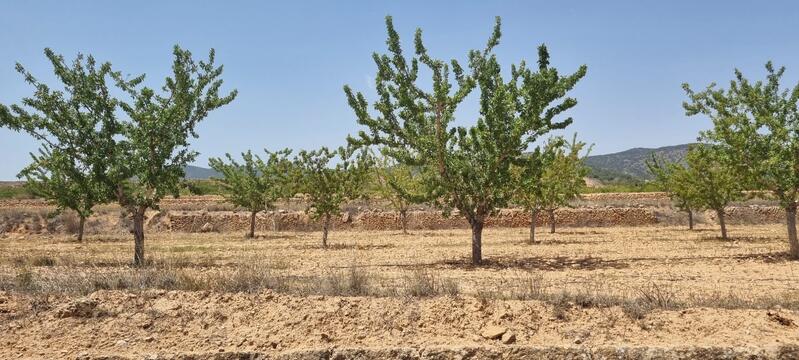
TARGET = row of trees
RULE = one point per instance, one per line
(92, 154)
(753, 145)
(256, 184)
(98, 147)
(707, 181)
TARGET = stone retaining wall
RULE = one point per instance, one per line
(194, 221)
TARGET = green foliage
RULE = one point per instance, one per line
(76, 127)
(202, 187)
(707, 181)
(155, 148)
(328, 186)
(14, 191)
(150, 159)
(255, 184)
(715, 181)
(53, 176)
(399, 184)
(466, 168)
(95, 155)
(678, 181)
(756, 125)
(626, 187)
(611, 177)
(556, 180)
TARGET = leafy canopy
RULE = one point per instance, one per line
(255, 184)
(397, 183)
(465, 167)
(556, 179)
(756, 124)
(707, 181)
(155, 148)
(327, 185)
(76, 126)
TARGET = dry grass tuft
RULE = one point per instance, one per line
(422, 283)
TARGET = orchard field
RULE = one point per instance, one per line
(655, 289)
(426, 232)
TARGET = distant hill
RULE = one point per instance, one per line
(624, 167)
(630, 165)
(200, 173)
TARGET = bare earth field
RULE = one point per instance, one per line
(658, 292)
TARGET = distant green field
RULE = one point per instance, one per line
(621, 188)
(14, 191)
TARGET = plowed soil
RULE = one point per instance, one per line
(657, 291)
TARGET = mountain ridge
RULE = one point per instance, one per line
(630, 165)
(623, 166)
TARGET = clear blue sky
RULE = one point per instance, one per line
(290, 59)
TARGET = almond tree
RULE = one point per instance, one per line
(151, 157)
(328, 186)
(756, 125)
(676, 180)
(707, 181)
(527, 186)
(254, 184)
(553, 181)
(563, 178)
(716, 182)
(75, 126)
(468, 167)
(400, 185)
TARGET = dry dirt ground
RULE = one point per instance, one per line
(615, 292)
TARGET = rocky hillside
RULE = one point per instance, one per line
(630, 165)
(625, 166)
(200, 173)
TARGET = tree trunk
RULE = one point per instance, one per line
(690, 219)
(81, 224)
(477, 242)
(325, 228)
(551, 221)
(404, 221)
(790, 214)
(533, 219)
(252, 225)
(138, 236)
(720, 214)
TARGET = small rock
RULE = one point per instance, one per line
(207, 227)
(493, 332)
(80, 308)
(346, 217)
(508, 338)
(578, 341)
(121, 343)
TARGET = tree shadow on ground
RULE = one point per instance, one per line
(566, 242)
(580, 232)
(735, 239)
(342, 247)
(536, 263)
(769, 258)
(272, 237)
